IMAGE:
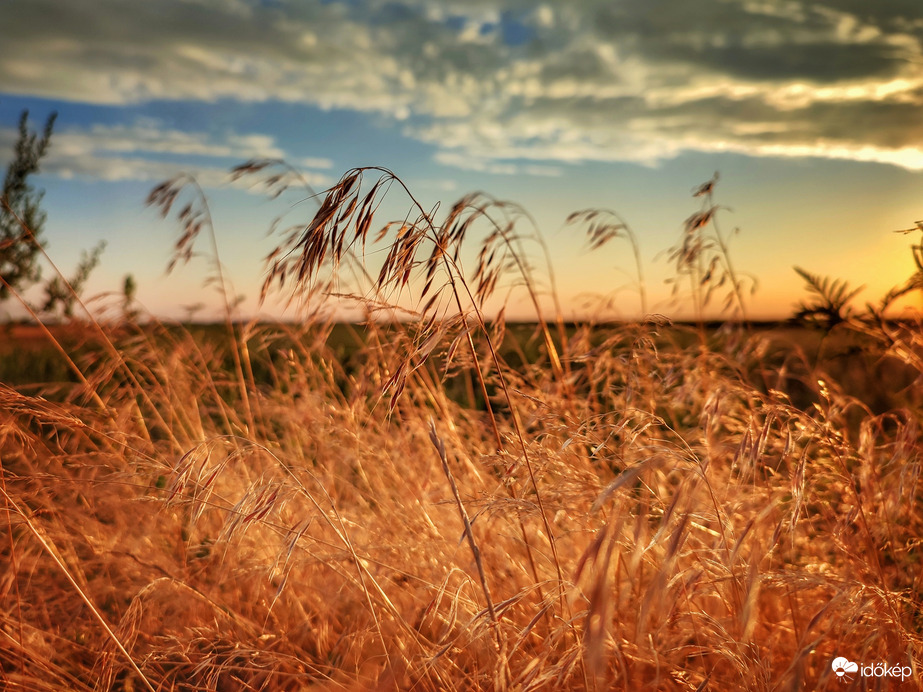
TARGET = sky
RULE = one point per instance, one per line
(809, 111)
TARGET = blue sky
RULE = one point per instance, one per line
(810, 111)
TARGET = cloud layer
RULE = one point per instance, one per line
(147, 152)
(491, 83)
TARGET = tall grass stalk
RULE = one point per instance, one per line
(193, 217)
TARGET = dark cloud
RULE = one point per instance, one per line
(585, 62)
(823, 63)
(888, 15)
(880, 124)
(760, 41)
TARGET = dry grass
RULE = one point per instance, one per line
(643, 507)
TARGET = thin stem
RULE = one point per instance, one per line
(229, 323)
(452, 268)
(59, 348)
(47, 547)
(728, 263)
(107, 342)
(469, 534)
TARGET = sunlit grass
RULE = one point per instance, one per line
(442, 503)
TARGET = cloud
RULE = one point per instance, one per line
(483, 164)
(490, 82)
(146, 152)
(148, 137)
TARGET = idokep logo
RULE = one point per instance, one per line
(846, 669)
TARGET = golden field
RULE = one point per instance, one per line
(450, 503)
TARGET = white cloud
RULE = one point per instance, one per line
(312, 162)
(147, 137)
(118, 169)
(146, 152)
(482, 164)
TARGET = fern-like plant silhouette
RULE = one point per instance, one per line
(829, 301)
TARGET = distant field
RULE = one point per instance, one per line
(28, 356)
